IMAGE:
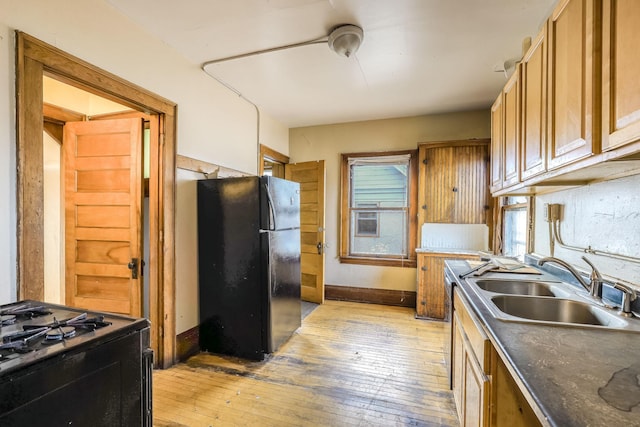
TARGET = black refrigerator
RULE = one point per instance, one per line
(248, 264)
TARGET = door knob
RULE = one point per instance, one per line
(133, 266)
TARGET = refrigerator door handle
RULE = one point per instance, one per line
(272, 213)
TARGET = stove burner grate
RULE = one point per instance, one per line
(56, 331)
(25, 310)
(58, 334)
(7, 319)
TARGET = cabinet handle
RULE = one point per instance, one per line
(423, 268)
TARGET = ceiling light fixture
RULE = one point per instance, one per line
(343, 40)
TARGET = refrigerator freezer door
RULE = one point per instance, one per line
(284, 286)
(281, 204)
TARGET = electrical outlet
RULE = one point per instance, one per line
(547, 212)
(552, 212)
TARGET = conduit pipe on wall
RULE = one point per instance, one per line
(589, 250)
(237, 92)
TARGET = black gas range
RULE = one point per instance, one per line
(66, 366)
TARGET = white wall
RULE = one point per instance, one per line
(7, 165)
(187, 256)
(605, 216)
(214, 124)
(328, 142)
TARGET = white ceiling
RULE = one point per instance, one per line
(418, 56)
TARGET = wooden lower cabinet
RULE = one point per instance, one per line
(509, 407)
(470, 366)
(430, 297)
(484, 391)
(457, 365)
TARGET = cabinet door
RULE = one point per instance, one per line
(620, 71)
(496, 144)
(534, 69)
(430, 298)
(457, 365)
(456, 184)
(572, 62)
(476, 387)
(509, 407)
(422, 297)
(511, 145)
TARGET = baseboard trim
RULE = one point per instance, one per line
(187, 343)
(371, 296)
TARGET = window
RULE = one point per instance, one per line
(367, 220)
(378, 208)
(515, 226)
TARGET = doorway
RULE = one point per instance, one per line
(35, 61)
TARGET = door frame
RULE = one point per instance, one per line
(270, 155)
(34, 60)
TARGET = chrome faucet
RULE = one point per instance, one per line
(594, 287)
(596, 280)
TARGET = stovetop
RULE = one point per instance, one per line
(32, 331)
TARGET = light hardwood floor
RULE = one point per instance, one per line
(348, 365)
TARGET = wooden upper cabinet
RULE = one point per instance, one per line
(454, 182)
(511, 143)
(496, 144)
(533, 108)
(620, 73)
(573, 75)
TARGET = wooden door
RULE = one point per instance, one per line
(511, 143)
(496, 144)
(508, 407)
(534, 85)
(430, 298)
(476, 388)
(572, 69)
(456, 189)
(311, 176)
(621, 67)
(103, 215)
(457, 364)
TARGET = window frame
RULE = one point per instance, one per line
(412, 217)
(505, 206)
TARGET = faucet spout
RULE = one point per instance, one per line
(596, 280)
(570, 268)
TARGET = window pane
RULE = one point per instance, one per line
(515, 232)
(514, 200)
(390, 237)
(366, 223)
(383, 185)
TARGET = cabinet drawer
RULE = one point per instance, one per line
(478, 340)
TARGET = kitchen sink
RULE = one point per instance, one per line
(556, 310)
(519, 287)
(544, 301)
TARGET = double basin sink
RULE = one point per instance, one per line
(546, 302)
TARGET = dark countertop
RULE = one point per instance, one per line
(452, 251)
(571, 376)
